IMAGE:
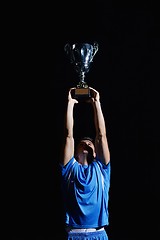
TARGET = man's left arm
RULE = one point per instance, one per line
(101, 142)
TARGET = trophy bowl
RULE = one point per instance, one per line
(81, 56)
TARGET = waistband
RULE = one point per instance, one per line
(79, 230)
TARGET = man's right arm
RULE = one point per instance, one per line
(68, 149)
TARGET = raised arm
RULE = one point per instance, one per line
(68, 150)
(101, 143)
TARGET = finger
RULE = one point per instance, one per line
(72, 87)
(93, 89)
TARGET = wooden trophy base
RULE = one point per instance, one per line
(82, 93)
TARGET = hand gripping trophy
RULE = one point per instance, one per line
(81, 56)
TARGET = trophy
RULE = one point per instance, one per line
(81, 56)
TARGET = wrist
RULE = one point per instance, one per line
(71, 101)
(96, 101)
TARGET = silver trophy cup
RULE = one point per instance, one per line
(81, 56)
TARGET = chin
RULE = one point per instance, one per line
(85, 151)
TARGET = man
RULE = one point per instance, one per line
(86, 176)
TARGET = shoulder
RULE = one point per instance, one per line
(70, 162)
(66, 168)
(101, 163)
(105, 168)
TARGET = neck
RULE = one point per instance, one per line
(85, 159)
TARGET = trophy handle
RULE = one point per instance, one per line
(67, 49)
(95, 48)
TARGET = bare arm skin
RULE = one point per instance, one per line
(68, 151)
(101, 143)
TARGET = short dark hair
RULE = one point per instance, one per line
(86, 138)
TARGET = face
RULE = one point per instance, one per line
(86, 147)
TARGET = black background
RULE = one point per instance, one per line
(125, 71)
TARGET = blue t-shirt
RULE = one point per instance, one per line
(86, 193)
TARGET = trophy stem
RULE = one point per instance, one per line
(82, 83)
(81, 76)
